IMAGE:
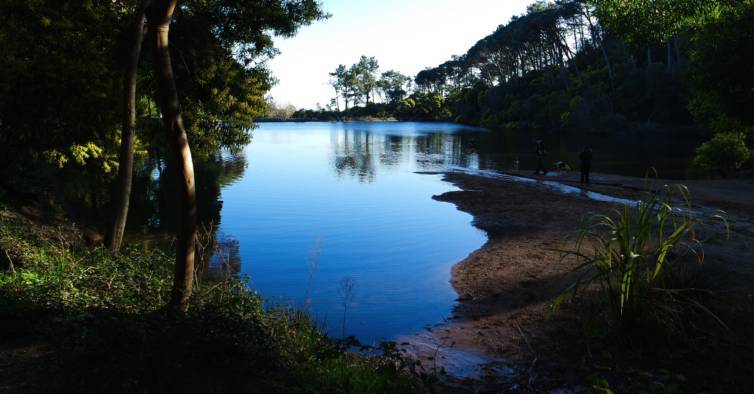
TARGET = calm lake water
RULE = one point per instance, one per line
(322, 205)
(333, 216)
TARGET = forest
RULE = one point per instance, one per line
(123, 123)
(590, 66)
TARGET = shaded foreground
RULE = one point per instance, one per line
(506, 290)
(77, 319)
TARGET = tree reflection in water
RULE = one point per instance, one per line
(359, 153)
(153, 215)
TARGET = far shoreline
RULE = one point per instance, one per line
(366, 119)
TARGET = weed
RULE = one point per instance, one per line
(638, 258)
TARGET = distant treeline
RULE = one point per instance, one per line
(362, 91)
(593, 66)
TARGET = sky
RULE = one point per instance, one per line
(404, 35)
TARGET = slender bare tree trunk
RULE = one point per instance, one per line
(178, 147)
(597, 36)
(562, 69)
(126, 160)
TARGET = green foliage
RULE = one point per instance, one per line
(418, 107)
(61, 85)
(724, 154)
(645, 23)
(720, 70)
(361, 81)
(218, 66)
(713, 34)
(393, 85)
(102, 315)
(637, 260)
(526, 74)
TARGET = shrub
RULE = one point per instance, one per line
(724, 153)
(636, 259)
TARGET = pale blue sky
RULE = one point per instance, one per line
(405, 35)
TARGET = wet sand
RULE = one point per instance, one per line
(506, 288)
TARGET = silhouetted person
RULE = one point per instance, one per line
(586, 164)
(540, 152)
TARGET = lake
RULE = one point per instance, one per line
(324, 205)
(334, 218)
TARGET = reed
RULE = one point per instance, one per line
(638, 257)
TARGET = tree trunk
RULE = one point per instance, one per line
(597, 36)
(572, 59)
(179, 151)
(670, 65)
(126, 160)
(609, 65)
(562, 69)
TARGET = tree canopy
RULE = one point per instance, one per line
(62, 63)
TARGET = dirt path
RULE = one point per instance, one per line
(506, 287)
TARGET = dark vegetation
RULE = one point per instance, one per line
(101, 320)
(94, 100)
(591, 66)
(89, 109)
(654, 315)
(80, 100)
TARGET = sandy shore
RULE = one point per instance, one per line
(505, 288)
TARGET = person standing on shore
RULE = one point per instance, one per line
(540, 152)
(586, 164)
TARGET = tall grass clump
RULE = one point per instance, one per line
(637, 260)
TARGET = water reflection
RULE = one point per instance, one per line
(356, 147)
(353, 154)
(152, 201)
(152, 208)
(225, 260)
(359, 153)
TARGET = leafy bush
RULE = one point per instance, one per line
(724, 154)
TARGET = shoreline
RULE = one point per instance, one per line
(364, 119)
(505, 288)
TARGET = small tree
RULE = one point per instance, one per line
(725, 153)
(393, 84)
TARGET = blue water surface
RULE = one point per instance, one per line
(333, 218)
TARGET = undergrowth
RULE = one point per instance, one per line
(103, 315)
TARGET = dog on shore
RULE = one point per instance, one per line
(561, 166)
